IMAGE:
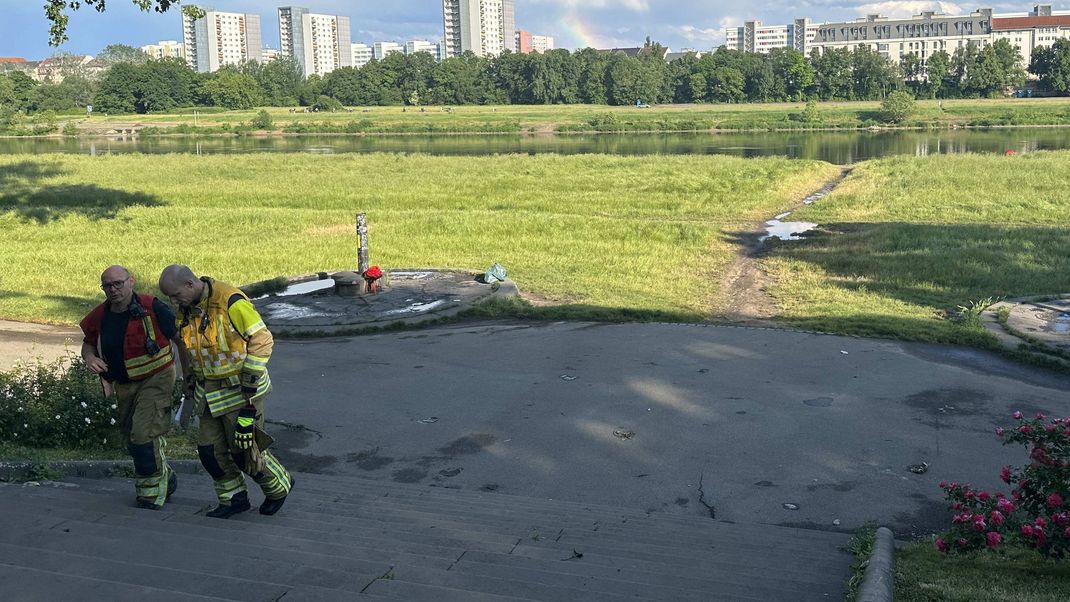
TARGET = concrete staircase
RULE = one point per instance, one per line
(353, 539)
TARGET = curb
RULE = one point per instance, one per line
(90, 469)
(878, 585)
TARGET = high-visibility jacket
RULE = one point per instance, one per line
(137, 360)
(229, 347)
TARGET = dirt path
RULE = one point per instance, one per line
(25, 341)
(745, 286)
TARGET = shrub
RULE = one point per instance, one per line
(1037, 515)
(263, 120)
(897, 107)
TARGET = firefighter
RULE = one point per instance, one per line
(228, 347)
(128, 343)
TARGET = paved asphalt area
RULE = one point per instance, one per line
(749, 425)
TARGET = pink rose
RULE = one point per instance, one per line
(942, 545)
(1027, 530)
(1067, 533)
(1040, 416)
(1055, 500)
(1025, 429)
(984, 496)
(1005, 474)
(956, 506)
(1000, 431)
(1040, 522)
(1017, 415)
(994, 539)
(943, 484)
(1005, 506)
(1040, 537)
(962, 542)
(979, 525)
(1061, 518)
(998, 518)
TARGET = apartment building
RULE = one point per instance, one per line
(218, 38)
(319, 43)
(525, 42)
(362, 54)
(165, 49)
(382, 49)
(757, 37)
(484, 27)
(1039, 28)
(414, 46)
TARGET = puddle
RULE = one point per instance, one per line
(302, 288)
(416, 308)
(289, 311)
(775, 228)
(1061, 323)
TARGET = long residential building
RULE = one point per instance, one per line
(166, 49)
(484, 27)
(217, 39)
(319, 43)
(922, 34)
(525, 42)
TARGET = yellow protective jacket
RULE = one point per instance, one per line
(229, 346)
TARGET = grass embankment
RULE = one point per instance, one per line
(587, 118)
(925, 575)
(904, 241)
(625, 236)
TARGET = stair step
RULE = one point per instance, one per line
(36, 585)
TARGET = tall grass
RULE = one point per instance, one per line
(905, 242)
(641, 233)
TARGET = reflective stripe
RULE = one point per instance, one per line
(253, 329)
(145, 364)
(276, 481)
(254, 363)
(225, 489)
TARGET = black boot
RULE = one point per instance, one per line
(270, 506)
(239, 503)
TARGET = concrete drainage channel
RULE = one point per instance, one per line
(878, 584)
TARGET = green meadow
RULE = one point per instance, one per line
(925, 575)
(577, 118)
(643, 235)
(905, 242)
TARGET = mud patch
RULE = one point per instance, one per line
(765, 484)
(408, 475)
(841, 487)
(450, 472)
(682, 501)
(298, 462)
(468, 445)
(369, 460)
(929, 516)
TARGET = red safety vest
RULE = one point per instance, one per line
(139, 364)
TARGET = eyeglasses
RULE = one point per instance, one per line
(113, 285)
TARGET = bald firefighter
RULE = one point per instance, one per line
(128, 343)
(228, 347)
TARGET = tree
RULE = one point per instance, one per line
(833, 77)
(23, 91)
(593, 67)
(727, 85)
(897, 107)
(121, 53)
(116, 91)
(1052, 66)
(874, 76)
(792, 69)
(56, 13)
(937, 72)
(911, 67)
(230, 89)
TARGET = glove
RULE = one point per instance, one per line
(245, 428)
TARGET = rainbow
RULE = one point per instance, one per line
(581, 32)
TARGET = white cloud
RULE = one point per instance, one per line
(640, 6)
(699, 36)
(905, 9)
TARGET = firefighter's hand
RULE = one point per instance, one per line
(245, 428)
(96, 365)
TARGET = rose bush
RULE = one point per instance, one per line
(1037, 513)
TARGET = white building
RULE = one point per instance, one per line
(484, 27)
(382, 49)
(1037, 29)
(319, 43)
(165, 49)
(414, 46)
(541, 43)
(219, 39)
(269, 54)
(756, 37)
(362, 54)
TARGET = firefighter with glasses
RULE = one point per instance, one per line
(228, 347)
(128, 343)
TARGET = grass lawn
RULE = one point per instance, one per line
(645, 234)
(925, 575)
(905, 241)
(181, 445)
(541, 118)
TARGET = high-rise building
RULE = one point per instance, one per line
(319, 43)
(269, 54)
(381, 49)
(164, 49)
(362, 55)
(218, 39)
(525, 42)
(484, 27)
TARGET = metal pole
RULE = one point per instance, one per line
(362, 250)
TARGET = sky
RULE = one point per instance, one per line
(679, 24)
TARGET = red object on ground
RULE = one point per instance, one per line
(371, 279)
(1010, 152)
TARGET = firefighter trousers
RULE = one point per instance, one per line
(144, 409)
(226, 463)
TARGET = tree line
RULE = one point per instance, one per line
(131, 83)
